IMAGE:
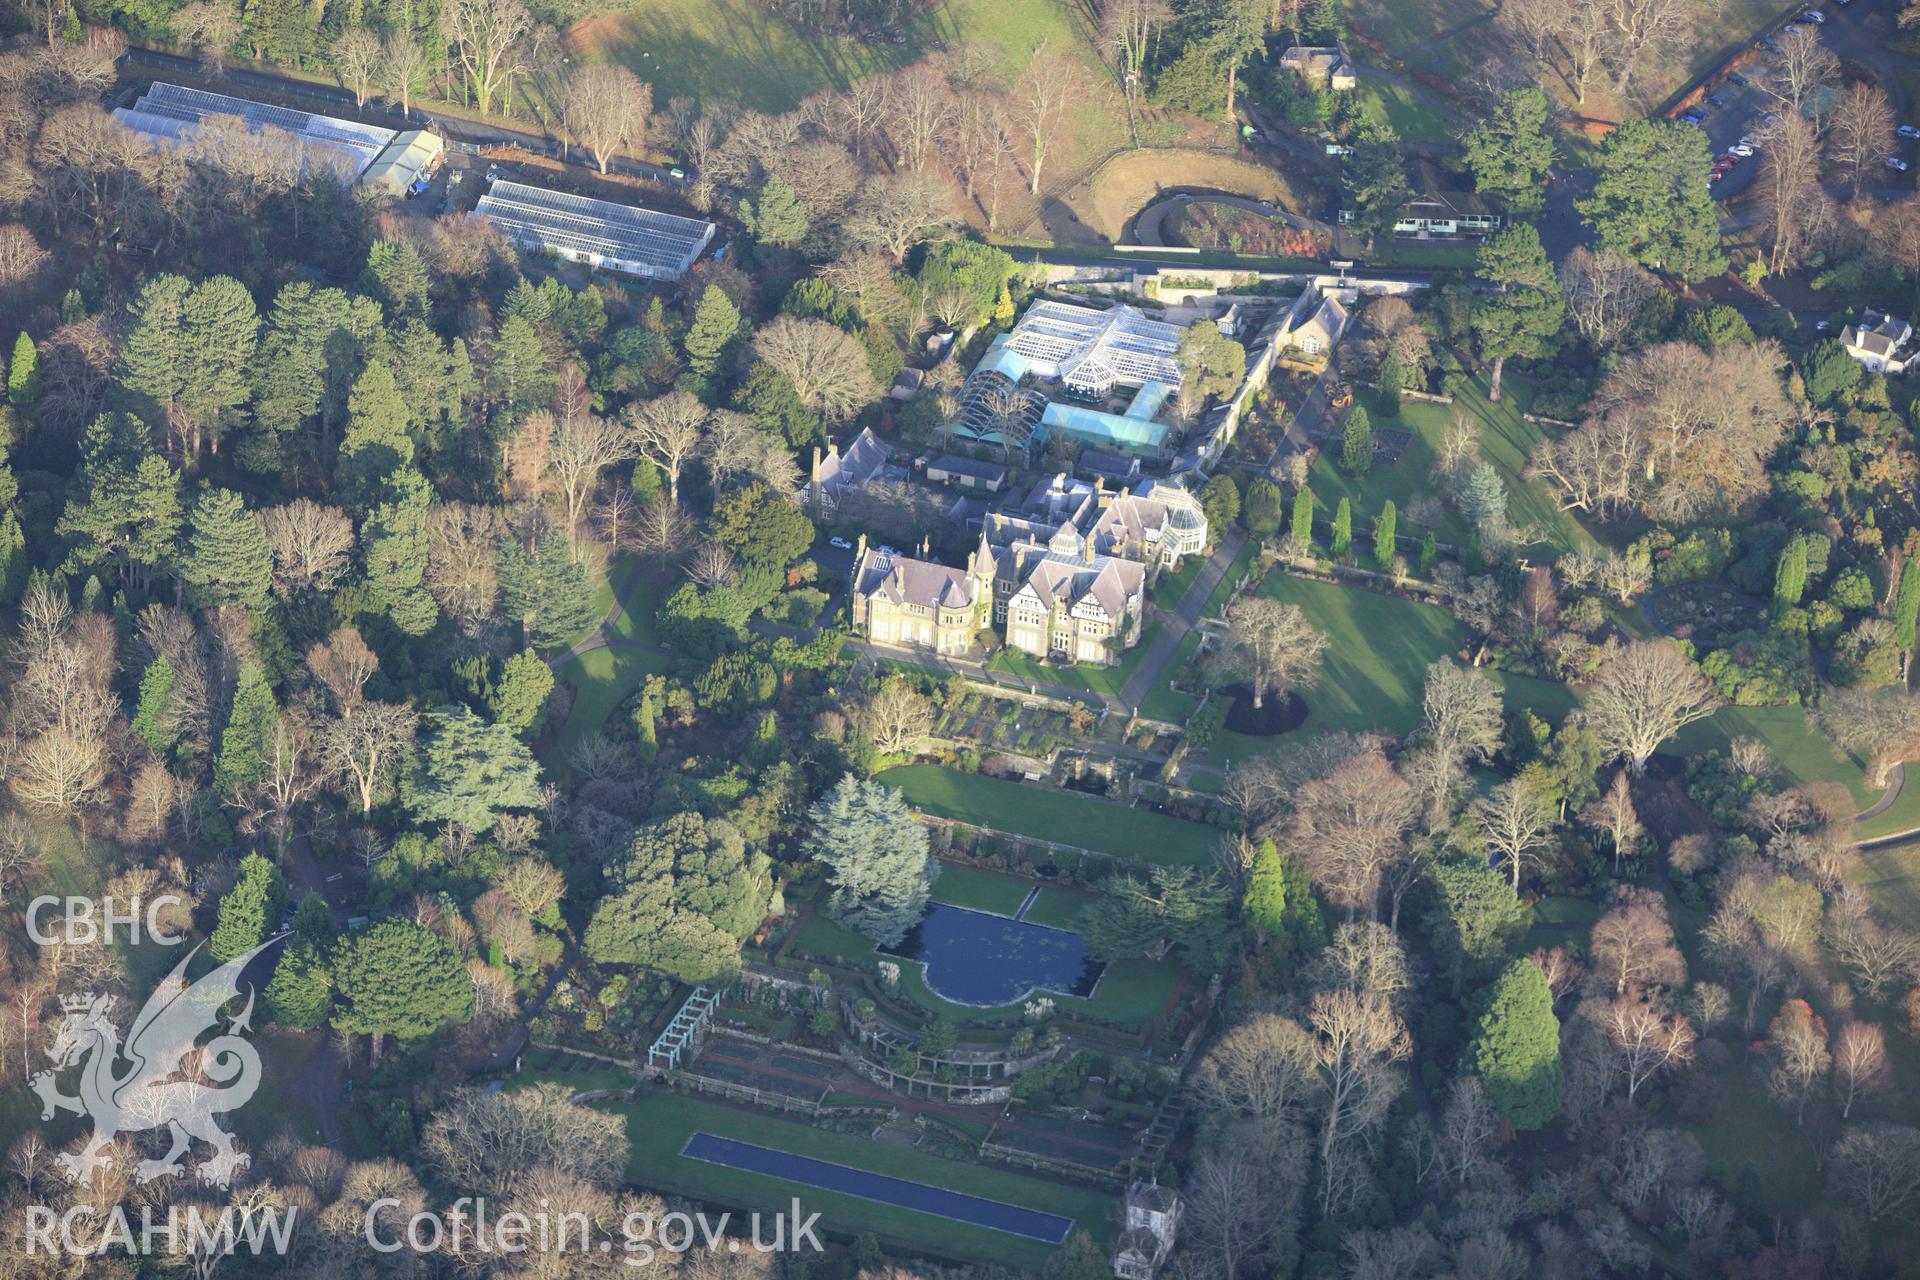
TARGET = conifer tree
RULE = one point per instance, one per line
(227, 560)
(247, 738)
(1429, 554)
(1385, 544)
(1790, 576)
(1393, 384)
(1516, 1047)
(376, 443)
(300, 993)
(716, 323)
(1343, 527)
(394, 538)
(1303, 519)
(23, 373)
(155, 717)
(876, 858)
(468, 771)
(248, 910)
(1356, 443)
(520, 691)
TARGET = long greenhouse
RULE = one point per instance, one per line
(615, 237)
(172, 113)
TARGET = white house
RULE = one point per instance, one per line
(1882, 343)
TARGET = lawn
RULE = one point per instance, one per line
(659, 1124)
(980, 890)
(737, 51)
(1375, 669)
(1062, 817)
(543, 1066)
(1059, 908)
(1565, 911)
(1416, 115)
(1801, 750)
(1162, 701)
(1106, 681)
(602, 680)
(1131, 992)
(1505, 440)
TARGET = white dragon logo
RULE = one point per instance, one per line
(157, 1092)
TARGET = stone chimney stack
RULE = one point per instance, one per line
(860, 550)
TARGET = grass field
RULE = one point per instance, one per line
(1132, 992)
(1505, 440)
(1084, 675)
(604, 678)
(980, 890)
(1453, 38)
(1058, 908)
(737, 51)
(658, 1125)
(1064, 817)
(1415, 114)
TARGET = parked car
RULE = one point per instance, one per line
(1336, 149)
(1896, 164)
(1908, 131)
(1692, 117)
(840, 542)
(1716, 175)
(1770, 45)
(1734, 77)
(1715, 99)
(1740, 150)
(1747, 140)
(1814, 16)
(1770, 118)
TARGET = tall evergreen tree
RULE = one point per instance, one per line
(376, 443)
(23, 373)
(1790, 576)
(1510, 152)
(184, 365)
(1516, 1047)
(1474, 919)
(468, 771)
(877, 859)
(156, 717)
(1356, 443)
(307, 357)
(394, 541)
(299, 995)
(1263, 507)
(127, 512)
(1303, 518)
(397, 276)
(548, 590)
(779, 217)
(227, 560)
(1393, 384)
(1385, 545)
(248, 736)
(716, 323)
(1649, 202)
(1342, 527)
(399, 979)
(520, 690)
(248, 910)
(1522, 315)
(520, 375)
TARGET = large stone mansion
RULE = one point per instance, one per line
(1063, 575)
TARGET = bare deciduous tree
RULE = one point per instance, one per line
(342, 665)
(584, 445)
(1633, 945)
(668, 432)
(1877, 1167)
(1859, 1064)
(1351, 825)
(355, 58)
(1789, 188)
(311, 544)
(1803, 66)
(1860, 136)
(463, 546)
(712, 566)
(919, 110)
(1270, 645)
(1614, 814)
(897, 717)
(1797, 1046)
(1469, 1134)
(1644, 695)
(1360, 1041)
(209, 28)
(1051, 81)
(1605, 291)
(1517, 822)
(606, 108)
(897, 211)
(1881, 724)
(403, 65)
(1647, 1040)
(662, 527)
(826, 367)
(364, 749)
(484, 34)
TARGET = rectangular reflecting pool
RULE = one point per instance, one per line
(977, 1211)
(980, 959)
